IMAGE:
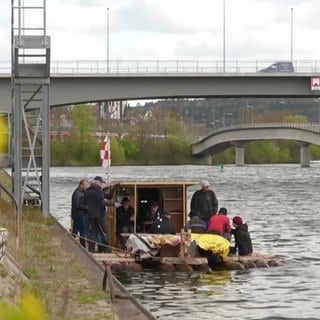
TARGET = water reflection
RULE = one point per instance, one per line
(217, 278)
(171, 294)
(225, 294)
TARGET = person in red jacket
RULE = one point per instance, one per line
(220, 224)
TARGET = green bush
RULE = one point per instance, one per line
(261, 152)
(315, 152)
(225, 157)
(59, 153)
(118, 155)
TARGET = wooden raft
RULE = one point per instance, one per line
(179, 257)
(112, 257)
(255, 260)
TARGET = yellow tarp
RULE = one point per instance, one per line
(212, 242)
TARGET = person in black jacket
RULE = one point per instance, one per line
(161, 221)
(125, 218)
(204, 201)
(79, 212)
(96, 201)
(242, 237)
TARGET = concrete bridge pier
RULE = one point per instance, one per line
(208, 159)
(239, 153)
(304, 154)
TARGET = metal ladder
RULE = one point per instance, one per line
(30, 102)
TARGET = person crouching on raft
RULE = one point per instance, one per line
(219, 224)
(242, 237)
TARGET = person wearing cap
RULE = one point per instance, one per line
(96, 201)
(125, 218)
(241, 236)
(79, 212)
(204, 201)
(220, 224)
(161, 221)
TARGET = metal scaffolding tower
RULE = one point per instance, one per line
(30, 51)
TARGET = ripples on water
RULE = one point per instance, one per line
(280, 204)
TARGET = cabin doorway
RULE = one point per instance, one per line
(145, 197)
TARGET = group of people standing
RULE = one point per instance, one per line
(205, 218)
(88, 212)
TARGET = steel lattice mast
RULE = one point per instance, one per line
(30, 69)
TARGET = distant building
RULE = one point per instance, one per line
(110, 109)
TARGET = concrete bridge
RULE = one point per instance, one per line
(80, 85)
(239, 135)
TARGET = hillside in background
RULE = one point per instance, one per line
(217, 112)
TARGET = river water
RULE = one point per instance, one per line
(280, 203)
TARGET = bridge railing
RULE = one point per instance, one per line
(310, 126)
(165, 66)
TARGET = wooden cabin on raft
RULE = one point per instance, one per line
(171, 196)
(182, 251)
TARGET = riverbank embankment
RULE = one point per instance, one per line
(50, 264)
(55, 275)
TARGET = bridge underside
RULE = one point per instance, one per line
(74, 88)
(239, 153)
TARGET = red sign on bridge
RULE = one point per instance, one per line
(315, 83)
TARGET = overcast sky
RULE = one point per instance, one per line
(176, 29)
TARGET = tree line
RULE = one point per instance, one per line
(160, 139)
(164, 137)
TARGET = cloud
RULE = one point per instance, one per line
(176, 29)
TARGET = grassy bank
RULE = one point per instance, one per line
(56, 277)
